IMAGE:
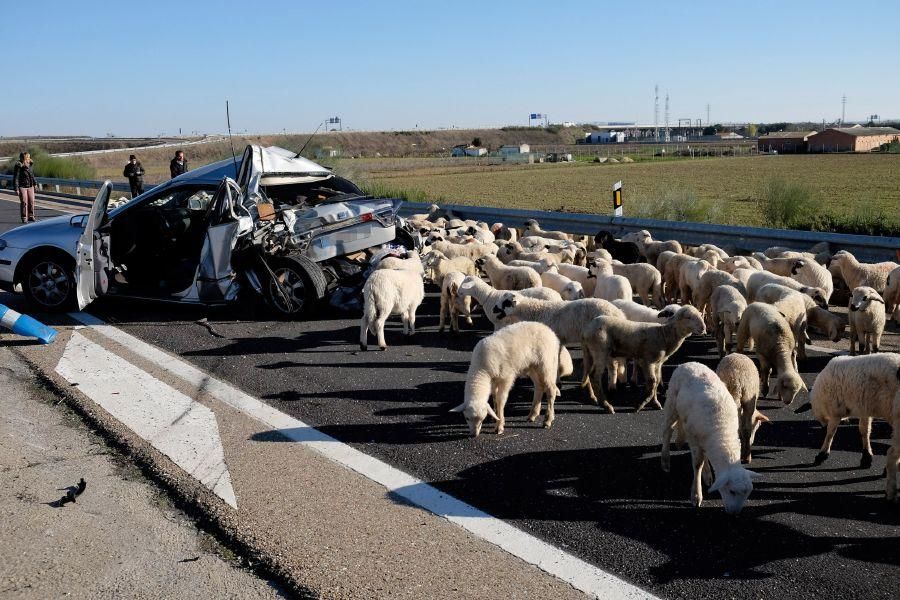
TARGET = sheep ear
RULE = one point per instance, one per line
(458, 408)
(761, 418)
(803, 386)
(492, 413)
(875, 299)
(717, 484)
(753, 474)
(468, 284)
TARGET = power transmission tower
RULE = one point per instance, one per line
(843, 107)
(707, 115)
(667, 136)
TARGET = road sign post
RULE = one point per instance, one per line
(617, 199)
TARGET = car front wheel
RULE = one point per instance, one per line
(49, 283)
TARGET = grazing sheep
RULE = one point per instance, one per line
(733, 263)
(452, 303)
(412, 262)
(867, 318)
(566, 319)
(471, 251)
(503, 277)
(388, 292)
(740, 376)
(439, 265)
(515, 251)
(650, 248)
(641, 313)
(726, 307)
(760, 278)
(779, 266)
(609, 286)
(521, 349)
(672, 276)
(649, 344)
(864, 387)
(689, 278)
(774, 341)
(793, 306)
(858, 274)
(711, 280)
(813, 275)
(626, 252)
(502, 232)
(892, 294)
(568, 289)
(533, 228)
(828, 324)
(488, 297)
(580, 274)
(545, 264)
(599, 253)
(645, 279)
(703, 409)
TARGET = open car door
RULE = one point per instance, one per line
(227, 222)
(91, 279)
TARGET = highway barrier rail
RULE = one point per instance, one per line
(729, 237)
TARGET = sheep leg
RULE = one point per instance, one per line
(454, 319)
(502, 393)
(652, 376)
(706, 474)
(822, 456)
(865, 435)
(893, 458)
(538, 395)
(671, 417)
(853, 338)
(379, 331)
(363, 334)
(444, 309)
(765, 371)
(699, 458)
(411, 320)
(587, 372)
(748, 409)
(876, 341)
(801, 339)
(720, 336)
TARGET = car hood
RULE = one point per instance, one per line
(45, 229)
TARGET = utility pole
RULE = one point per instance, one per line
(656, 111)
(667, 136)
(843, 108)
(707, 114)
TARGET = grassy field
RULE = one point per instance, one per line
(845, 184)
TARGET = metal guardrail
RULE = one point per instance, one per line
(865, 247)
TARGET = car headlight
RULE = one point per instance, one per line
(2, 244)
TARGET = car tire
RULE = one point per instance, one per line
(304, 281)
(48, 282)
(406, 239)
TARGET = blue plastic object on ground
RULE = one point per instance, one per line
(24, 325)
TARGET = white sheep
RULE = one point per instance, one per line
(580, 274)
(526, 348)
(452, 304)
(867, 317)
(412, 262)
(709, 281)
(640, 313)
(504, 277)
(568, 289)
(813, 275)
(892, 294)
(532, 227)
(779, 266)
(545, 264)
(726, 307)
(650, 345)
(488, 297)
(760, 278)
(672, 276)
(740, 376)
(650, 248)
(858, 274)
(740, 262)
(793, 306)
(700, 405)
(609, 286)
(644, 278)
(689, 276)
(864, 387)
(389, 292)
(439, 265)
(472, 251)
(774, 342)
(566, 319)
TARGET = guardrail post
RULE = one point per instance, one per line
(40, 187)
(57, 188)
(78, 191)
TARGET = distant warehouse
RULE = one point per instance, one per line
(785, 142)
(852, 139)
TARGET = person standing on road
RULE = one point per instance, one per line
(178, 164)
(134, 171)
(24, 184)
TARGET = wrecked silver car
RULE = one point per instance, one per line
(272, 222)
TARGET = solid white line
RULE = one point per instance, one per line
(824, 350)
(580, 574)
(184, 430)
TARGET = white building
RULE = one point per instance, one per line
(467, 150)
(605, 137)
(509, 149)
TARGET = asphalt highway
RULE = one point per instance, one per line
(591, 485)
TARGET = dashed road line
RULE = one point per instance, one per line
(578, 573)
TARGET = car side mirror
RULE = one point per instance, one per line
(77, 221)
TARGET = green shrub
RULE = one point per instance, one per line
(380, 190)
(784, 205)
(675, 205)
(861, 222)
(59, 167)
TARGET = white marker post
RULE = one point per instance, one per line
(617, 199)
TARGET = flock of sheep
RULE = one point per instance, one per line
(636, 300)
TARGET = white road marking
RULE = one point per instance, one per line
(580, 574)
(182, 429)
(824, 350)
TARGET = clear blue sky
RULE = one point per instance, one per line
(146, 67)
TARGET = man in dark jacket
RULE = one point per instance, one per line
(134, 171)
(178, 164)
